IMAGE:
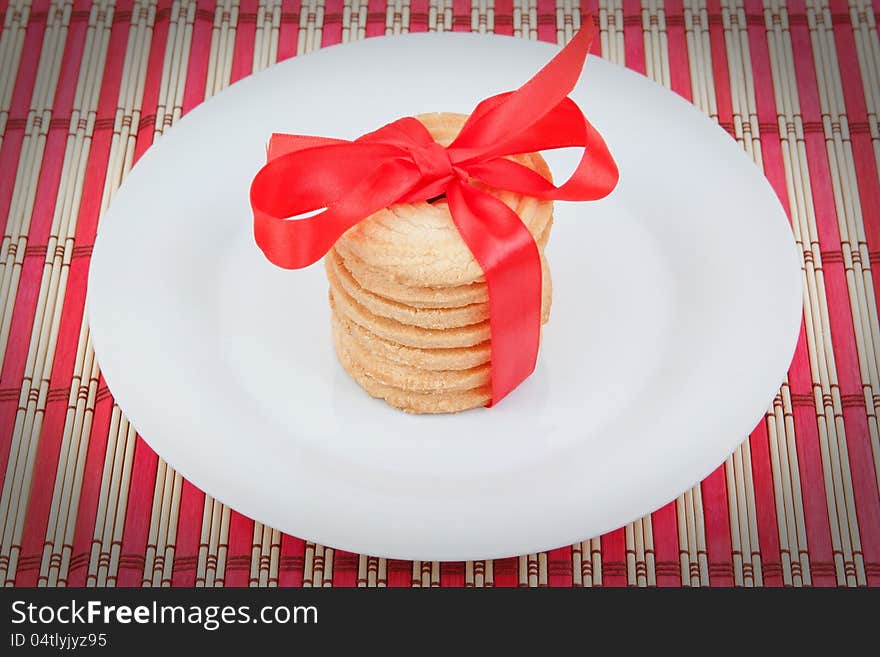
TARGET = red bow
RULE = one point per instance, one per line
(401, 163)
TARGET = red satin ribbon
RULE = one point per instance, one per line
(401, 163)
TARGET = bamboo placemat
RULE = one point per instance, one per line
(85, 88)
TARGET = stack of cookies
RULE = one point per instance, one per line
(409, 303)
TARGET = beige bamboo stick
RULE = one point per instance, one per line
(167, 65)
(102, 571)
(611, 30)
(311, 21)
(60, 245)
(854, 246)
(397, 14)
(533, 570)
(469, 575)
(189, 19)
(564, 21)
(853, 240)
(743, 521)
(800, 550)
(867, 43)
(687, 549)
(833, 459)
(739, 536)
(430, 574)
(159, 556)
(589, 563)
(638, 539)
(362, 576)
(480, 11)
(265, 53)
(480, 572)
(788, 539)
(301, 32)
(353, 19)
(630, 551)
(578, 571)
(780, 424)
(11, 45)
(164, 480)
(210, 544)
(264, 549)
(202, 557)
(376, 572)
(309, 565)
(416, 577)
(746, 555)
(787, 492)
(16, 485)
(815, 304)
(274, 559)
(218, 575)
(606, 22)
(649, 568)
(587, 555)
(79, 412)
(368, 569)
(689, 509)
(14, 244)
(66, 504)
(213, 542)
(258, 543)
(327, 579)
(121, 442)
(95, 553)
(525, 19)
(259, 56)
(320, 565)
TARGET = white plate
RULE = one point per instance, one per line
(675, 314)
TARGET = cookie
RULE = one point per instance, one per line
(417, 336)
(418, 244)
(413, 402)
(383, 283)
(418, 296)
(430, 318)
(427, 359)
(407, 334)
(406, 377)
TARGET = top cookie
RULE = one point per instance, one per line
(418, 244)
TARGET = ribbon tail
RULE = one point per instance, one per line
(509, 257)
(494, 120)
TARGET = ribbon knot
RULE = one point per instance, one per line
(347, 181)
(433, 162)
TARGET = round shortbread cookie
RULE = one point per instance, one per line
(421, 297)
(418, 244)
(382, 283)
(413, 402)
(406, 334)
(425, 359)
(417, 336)
(430, 318)
(406, 377)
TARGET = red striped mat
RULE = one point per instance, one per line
(86, 87)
